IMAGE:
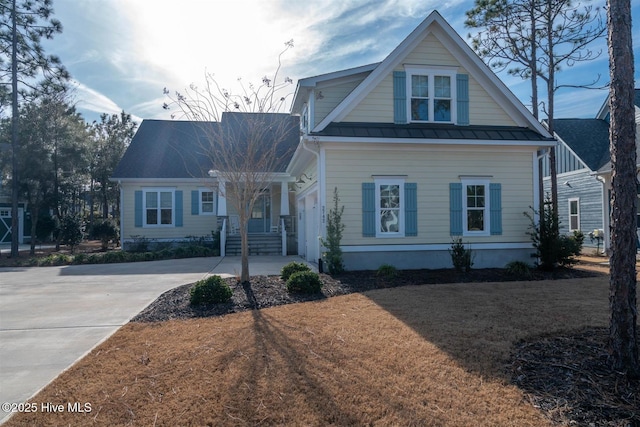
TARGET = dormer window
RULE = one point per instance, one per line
(432, 95)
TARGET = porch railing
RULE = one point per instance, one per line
(283, 231)
(223, 237)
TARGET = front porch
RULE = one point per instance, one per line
(271, 227)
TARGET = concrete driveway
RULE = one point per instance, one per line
(52, 316)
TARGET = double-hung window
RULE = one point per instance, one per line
(574, 214)
(389, 195)
(431, 95)
(475, 207)
(206, 202)
(159, 206)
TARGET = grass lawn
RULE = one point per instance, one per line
(415, 355)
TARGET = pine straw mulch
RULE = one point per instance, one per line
(568, 377)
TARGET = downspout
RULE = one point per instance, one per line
(121, 215)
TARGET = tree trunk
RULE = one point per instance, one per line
(14, 132)
(244, 249)
(35, 212)
(622, 286)
(105, 201)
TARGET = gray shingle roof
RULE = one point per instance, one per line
(430, 131)
(588, 138)
(175, 149)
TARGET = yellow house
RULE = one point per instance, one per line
(424, 147)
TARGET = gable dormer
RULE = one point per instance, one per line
(432, 77)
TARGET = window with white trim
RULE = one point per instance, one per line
(389, 207)
(475, 207)
(574, 214)
(207, 202)
(431, 95)
(159, 207)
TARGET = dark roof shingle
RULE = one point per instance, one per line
(588, 138)
(177, 149)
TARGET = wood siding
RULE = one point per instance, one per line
(566, 161)
(377, 106)
(332, 95)
(432, 169)
(585, 187)
(193, 225)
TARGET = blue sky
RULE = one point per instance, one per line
(122, 53)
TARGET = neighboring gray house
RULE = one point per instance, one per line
(584, 173)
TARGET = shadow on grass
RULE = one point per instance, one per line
(477, 324)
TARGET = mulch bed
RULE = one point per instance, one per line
(567, 377)
(270, 291)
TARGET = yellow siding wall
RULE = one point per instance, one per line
(331, 97)
(432, 169)
(194, 225)
(377, 106)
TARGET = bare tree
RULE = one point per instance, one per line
(537, 38)
(242, 137)
(622, 287)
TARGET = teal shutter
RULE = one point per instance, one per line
(179, 208)
(399, 97)
(368, 209)
(195, 202)
(495, 199)
(455, 209)
(411, 209)
(462, 95)
(138, 208)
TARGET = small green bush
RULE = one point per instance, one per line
(387, 271)
(212, 290)
(293, 267)
(106, 231)
(80, 259)
(519, 269)
(139, 244)
(461, 257)
(304, 282)
(114, 257)
(71, 232)
(54, 259)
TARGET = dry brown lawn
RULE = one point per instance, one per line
(416, 355)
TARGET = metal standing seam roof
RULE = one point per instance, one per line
(429, 131)
(178, 149)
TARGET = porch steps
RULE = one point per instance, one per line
(259, 244)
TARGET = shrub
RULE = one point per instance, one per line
(518, 268)
(114, 257)
(293, 267)
(211, 290)
(70, 232)
(139, 244)
(335, 227)
(304, 282)
(80, 259)
(552, 249)
(387, 271)
(105, 231)
(461, 257)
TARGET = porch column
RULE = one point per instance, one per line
(222, 199)
(284, 199)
